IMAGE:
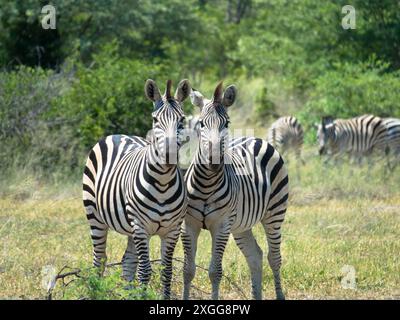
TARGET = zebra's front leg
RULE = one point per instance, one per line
(254, 257)
(141, 240)
(129, 261)
(168, 244)
(220, 237)
(190, 235)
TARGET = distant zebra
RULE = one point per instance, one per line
(232, 186)
(393, 136)
(357, 137)
(134, 187)
(287, 134)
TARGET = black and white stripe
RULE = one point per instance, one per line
(286, 134)
(393, 138)
(134, 187)
(357, 137)
(393, 134)
(233, 185)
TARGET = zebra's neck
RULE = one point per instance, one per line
(207, 176)
(156, 169)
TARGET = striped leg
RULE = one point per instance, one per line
(141, 240)
(129, 261)
(254, 257)
(220, 236)
(168, 244)
(190, 235)
(273, 233)
(98, 234)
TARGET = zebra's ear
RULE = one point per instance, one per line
(183, 90)
(217, 97)
(229, 96)
(151, 90)
(327, 120)
(196, 98)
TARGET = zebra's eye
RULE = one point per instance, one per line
(201, 124)
(155, 120)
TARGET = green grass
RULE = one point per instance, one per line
(337, 216)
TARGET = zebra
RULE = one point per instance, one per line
(357, 137)
(286, 134)
(133, 186)
(230, 189)
(393, 136)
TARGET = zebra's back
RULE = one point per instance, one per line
(263, 182)
(360, 135)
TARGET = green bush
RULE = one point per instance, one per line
(107, 98)
(89, 286)
(28, 136)
(51, 119)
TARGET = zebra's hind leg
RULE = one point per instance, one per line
(190, 235)
(168, 244)
(141, 240)
(273, 233)
(129, 261)
(98, 234)
(220, 236)
(254, 256)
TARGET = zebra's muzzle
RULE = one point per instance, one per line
(171, 151)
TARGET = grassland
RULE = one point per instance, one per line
(337, 216)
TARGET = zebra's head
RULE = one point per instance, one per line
(168, 118)
(326, 134)
(213, 124)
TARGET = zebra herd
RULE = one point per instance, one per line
(135, 186)
(358, 137)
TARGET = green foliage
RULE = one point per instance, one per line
(265, 108)
(145, 29)
(22, 38)
(50, 120)
(29, 137)
(108, 98)
(286, 57)
(90, 286)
